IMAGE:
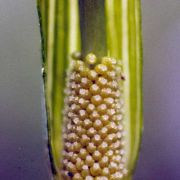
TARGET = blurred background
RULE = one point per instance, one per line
(22, 152)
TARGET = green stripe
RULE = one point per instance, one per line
(124, 42)
(58, 29)
(135, 74)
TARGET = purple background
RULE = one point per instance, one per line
(22, 154)
(159, 157)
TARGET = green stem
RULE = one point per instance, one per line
(93, 27)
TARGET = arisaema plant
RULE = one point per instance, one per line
(92, 62)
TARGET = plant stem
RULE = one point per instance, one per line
(93, 27)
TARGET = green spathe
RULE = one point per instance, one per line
(61, 35)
